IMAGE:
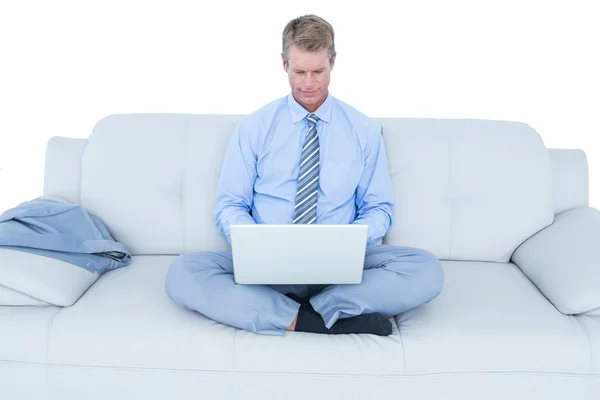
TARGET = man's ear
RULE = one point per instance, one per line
(332, 61)
(285, 64)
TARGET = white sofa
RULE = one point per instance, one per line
(518, 317)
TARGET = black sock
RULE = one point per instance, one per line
(374, 323)
(310, 322)
(308, 319)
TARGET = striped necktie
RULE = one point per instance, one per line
(305, 211)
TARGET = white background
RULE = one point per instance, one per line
(64, 65)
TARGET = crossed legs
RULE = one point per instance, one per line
(395, 279)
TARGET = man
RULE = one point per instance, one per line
(307, 158)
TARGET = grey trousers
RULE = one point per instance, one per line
(395, 279)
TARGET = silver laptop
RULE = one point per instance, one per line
(295, 254)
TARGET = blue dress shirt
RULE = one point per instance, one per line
(262, 160)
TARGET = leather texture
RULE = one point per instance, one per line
(571, 179)
(563, 260)
(160, 182)
(62, 167)
(67, 382)
(473, 168)
(94, 383)
(135, 324)
(24, 333)
(470, 191)
(569, 170)
(490, 317)
(124, 337)
(42, 279)
(591, 325)
(467, 189)
(10, 297)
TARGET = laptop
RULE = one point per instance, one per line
(296, 254)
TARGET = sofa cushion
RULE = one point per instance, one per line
(24, 332)
(591, 325)
(10, 297)
(132, 323)
(125, 319)
(40, 279)
(490, 317)
(299, 352)
(563, 261)
(62, 168)
(156, 194)
(571, 180)
(467, 189)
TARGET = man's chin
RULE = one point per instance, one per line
(310, 99)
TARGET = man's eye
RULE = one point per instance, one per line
(318, 72)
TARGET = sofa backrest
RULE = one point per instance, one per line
(465, 189)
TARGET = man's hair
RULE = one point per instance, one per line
(309, 33)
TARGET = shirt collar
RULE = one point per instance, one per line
(298, 112)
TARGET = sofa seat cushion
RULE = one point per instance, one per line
(126, 320)
(490, 317)
(299, 352)
(591, 324)
(24, 332)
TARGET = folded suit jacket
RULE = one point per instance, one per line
(64, 231)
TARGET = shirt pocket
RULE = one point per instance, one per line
(339, 179)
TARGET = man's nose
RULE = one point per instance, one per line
(308, 78)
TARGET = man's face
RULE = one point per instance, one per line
(308, 73)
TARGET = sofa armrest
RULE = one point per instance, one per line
(563, 261)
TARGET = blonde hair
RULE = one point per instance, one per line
(309, 33)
